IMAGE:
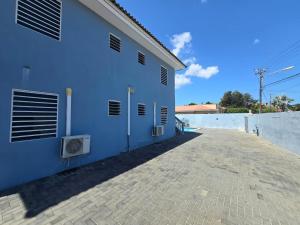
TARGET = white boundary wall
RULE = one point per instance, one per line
(282, 129)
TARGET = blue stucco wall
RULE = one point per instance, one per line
(83, 61)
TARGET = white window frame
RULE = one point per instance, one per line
(111, 100)
(11, 114)
(60, 22)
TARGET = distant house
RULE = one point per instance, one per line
(121, 76)
(199, 109)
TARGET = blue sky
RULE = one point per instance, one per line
(225, 40)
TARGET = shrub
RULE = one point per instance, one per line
(237, 110)
(268, 110)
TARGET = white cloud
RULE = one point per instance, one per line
(189, 61)
(180, 41)
(256, 41)
(181, 80)
(198, 71)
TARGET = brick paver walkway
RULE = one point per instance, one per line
(219, 177)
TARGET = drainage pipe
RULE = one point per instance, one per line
(130, 91)
(69, 110)
(154, 114)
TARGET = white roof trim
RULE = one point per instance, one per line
(114, 16)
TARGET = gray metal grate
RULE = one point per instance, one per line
(34, 115)
(115, 43)
(163, 115)
(43, 16)
(114, 108)
(141, 58)
(164, 75)
(141, 109)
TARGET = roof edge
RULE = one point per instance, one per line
(146, 30)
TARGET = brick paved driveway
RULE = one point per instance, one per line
(219, 177)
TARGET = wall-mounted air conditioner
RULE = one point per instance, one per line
(75, 145)
(158, 131)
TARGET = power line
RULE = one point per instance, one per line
(292, 48)
(292, 54)
(283, 80)
(289, 88)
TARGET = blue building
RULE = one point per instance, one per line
(121, 78)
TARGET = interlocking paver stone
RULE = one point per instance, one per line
(217, 177)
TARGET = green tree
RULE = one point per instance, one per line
(208, 103)
(226, 100)
(192, 103)
(248, 101)
(237, 99)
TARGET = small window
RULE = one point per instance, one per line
(41, 16)
(115, 43)
(164, 75)
(34, 115)
(141, 58)
(141, 109)
(114, 108)
(163, 115)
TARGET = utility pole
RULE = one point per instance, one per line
(261, 74)
(270, 101)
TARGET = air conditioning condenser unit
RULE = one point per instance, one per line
(75, 145)
(158, 131)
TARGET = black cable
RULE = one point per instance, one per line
(282, 80)
(285, 52)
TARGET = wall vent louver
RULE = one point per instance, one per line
(141, 109)
(33, 116)
(141, 58)
(114, 108)
(163, 115)
(115, 43)
(43, 16)
(164, 75)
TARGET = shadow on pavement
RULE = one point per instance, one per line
(41, 194)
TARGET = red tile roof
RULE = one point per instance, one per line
(197, 108)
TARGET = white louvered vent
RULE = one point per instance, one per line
(141, 58)
(34, 115)
(164, 75)
(141, 109)
(163, 115)
(114, 108)
(115, 43)
(43, 16)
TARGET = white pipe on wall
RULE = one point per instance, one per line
(69, 111)
(129, 92)
(154, 114)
